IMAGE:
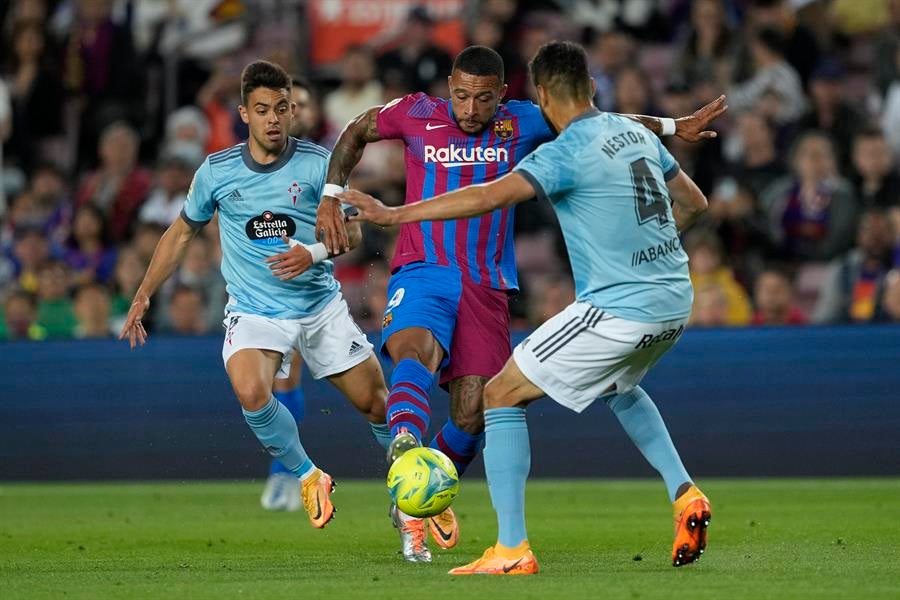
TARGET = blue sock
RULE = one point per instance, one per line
(382, 434)
(276, 430)
(459, 446)
(407, 403)
(507, 460)
(644, 425)
(294, 401)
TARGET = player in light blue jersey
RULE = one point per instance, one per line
(621, 200)
(282, 292)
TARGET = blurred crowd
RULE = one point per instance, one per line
(107, 107)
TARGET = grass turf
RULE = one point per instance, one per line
(594, 539)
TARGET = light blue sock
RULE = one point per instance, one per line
(295, 402)
(644, 425)
(382, 433)
(276, 430)
(507, 460)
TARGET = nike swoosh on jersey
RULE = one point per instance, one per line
(508, 568)
(445, 536)
(429, 126)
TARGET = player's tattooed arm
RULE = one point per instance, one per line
(691, 128)
(344, 157)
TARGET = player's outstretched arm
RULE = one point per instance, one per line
(344, 157)
(469, 201)
(691, 128)
(168, 254)
(688, 202)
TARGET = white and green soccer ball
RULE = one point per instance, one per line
(423, 482)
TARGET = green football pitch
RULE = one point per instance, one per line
(772, 539)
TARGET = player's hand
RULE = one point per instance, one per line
(368, 208)
(292, 263)
(330, 229)
(693, 128)
(133, 329)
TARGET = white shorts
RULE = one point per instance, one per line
(578, 354)
(329, 341)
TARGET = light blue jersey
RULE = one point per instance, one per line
(605, 177)
(258, 204)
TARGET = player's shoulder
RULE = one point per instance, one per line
(418, 105)
(305, 148)
(224, 161)
(520, 108)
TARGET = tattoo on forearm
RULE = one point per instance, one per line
(350, 145)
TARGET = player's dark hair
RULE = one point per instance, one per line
(262, 73)
(561, 68)
(868, 132)
(481, 61)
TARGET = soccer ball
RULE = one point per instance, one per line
(423, 482)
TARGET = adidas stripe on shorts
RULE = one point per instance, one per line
(579, 353)
(329, 341)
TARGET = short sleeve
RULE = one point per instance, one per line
(200, 205)
(668, 163)
(550, 170)
(393, 116)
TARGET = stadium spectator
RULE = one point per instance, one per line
(55, 312)
(608, 53)
(125, 281)
(173, 178)
(87, 252)
(811, 213)
(830, 112)
(755, 161)
(119, 186)
(199, 271)
(773, 297)
(886, 48)
(707, 270)
(187, 125)
(146, 236)
(186, 315)
(5, 132)
(416, 63)
(735, 216)
(92, 311)
(217, 99)
(98, 72)
(707, 45)
(552, 297)
(359, 89)
(307, 122)
(854, 284)
(889, 308)
(876, 179)
(633, 93)
(19, 320)
(801, 48)
(30, 250)
(774, 86)
(35, 91)
(51, 196)
(710, 306)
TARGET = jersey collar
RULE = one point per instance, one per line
(276, 164)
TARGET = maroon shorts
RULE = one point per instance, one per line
(480, 344)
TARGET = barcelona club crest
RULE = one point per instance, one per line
(503, 128)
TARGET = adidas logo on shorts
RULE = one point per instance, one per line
(355, 348)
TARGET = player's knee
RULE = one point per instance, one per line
(252, 395)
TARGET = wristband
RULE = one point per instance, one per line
(331, 189)
(668, 126)
(318, 251)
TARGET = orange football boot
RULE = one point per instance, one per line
(500, 560)
(444, 529)
(692, 516)
(316, 491)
